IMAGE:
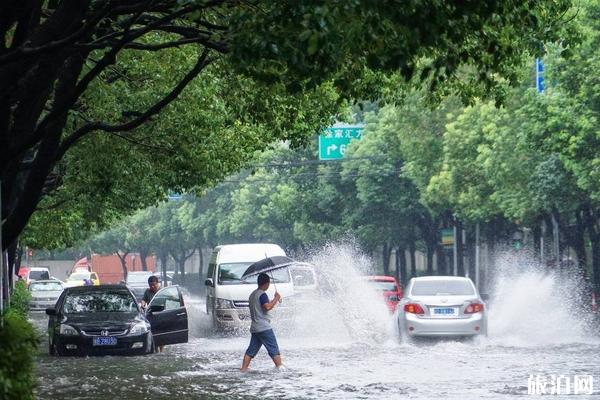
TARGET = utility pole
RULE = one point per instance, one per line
(455, 250)
(1, 264)
(477, 252)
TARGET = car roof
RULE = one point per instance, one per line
(140, 272)
(96, 288)
(39, 269)
(46, 281)
(441, 278)
(383, 278)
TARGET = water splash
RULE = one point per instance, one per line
(346, 309)
(532, 306)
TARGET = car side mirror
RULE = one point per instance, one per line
(209, 282)
(394, 298)
(51, 311)
(485, 297)
(156, 308)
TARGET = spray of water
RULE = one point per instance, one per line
(345, 308)
(532, 306)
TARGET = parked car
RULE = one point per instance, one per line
(44, 294)
(82, 278)
(389, 288)
(106, 319)
(441, 306)
(137, 282)
(305, 282)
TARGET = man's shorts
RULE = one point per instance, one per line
(266, 338)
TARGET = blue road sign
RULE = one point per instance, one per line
(539, 75)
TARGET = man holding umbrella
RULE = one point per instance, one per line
(260, 328)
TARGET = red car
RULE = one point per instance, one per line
(389, 287)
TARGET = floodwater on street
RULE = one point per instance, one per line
(344, 345)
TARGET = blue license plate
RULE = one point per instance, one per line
(105, 341)
(443, 311)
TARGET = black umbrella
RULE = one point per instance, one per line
(268, 264)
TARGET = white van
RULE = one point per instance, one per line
(227, 295)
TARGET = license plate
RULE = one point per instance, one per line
(444, 311)
(105, 341)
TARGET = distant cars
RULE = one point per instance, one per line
(82, 278)
(137, 282)
(106, 319)
(441, 306)
(44, 294)
(390, 289)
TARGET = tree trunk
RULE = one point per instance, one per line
(123, 259)
(201, 266)
(430, 251)
(401, 271)
(143, 255)
(413, 260)
(578, 244)
(591, 222)
(442, 265)
(387, 251)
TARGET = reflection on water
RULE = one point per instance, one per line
(343, 346)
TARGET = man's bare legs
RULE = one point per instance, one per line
(277, 360)
(246, 363)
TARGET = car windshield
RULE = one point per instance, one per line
(138, 278)
(79, 277)
(302, 277)
(38, 275)
(383, 285)
(230, 274)
(96, 302)
(442, 288)
(45, 286)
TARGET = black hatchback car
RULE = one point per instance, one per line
(106, 319)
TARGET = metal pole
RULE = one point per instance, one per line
(464, 251)
(454, 250)
(477, 252)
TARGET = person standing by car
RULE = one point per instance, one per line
(260, 328)
(153, 287)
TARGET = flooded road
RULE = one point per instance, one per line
(347, 348)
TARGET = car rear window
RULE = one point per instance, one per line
(39, 275)
(92, 302)
(383, 285)
(441, 288)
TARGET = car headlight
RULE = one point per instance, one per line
(139, 328)
(223, 303)
(68, 330)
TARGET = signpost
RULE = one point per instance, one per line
(335, 140)
(539, 75)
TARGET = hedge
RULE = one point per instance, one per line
(18, 348)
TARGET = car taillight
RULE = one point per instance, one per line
(474, 308)
(413, 308)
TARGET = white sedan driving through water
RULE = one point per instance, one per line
(440, 306)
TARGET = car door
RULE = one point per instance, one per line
(168, 317)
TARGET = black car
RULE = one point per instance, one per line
(106, 319)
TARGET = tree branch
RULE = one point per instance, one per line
(202, 62)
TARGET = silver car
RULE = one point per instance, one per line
(44, 294)
(441, 306)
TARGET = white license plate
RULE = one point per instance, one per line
(444, 311)
(105, 341)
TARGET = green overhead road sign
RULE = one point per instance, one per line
(334, 141)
